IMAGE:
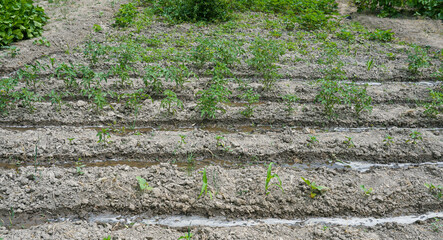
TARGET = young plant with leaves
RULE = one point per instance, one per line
(211, 98)
(169, 101)
(315, 189)
(143, 184)
(436, 191)
(265, 54)
(204, 189)
(269, 177)
(290, 100)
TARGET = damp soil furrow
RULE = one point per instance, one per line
(310, 115)
(240, 193)
(286, 146)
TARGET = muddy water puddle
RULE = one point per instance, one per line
(180, 221)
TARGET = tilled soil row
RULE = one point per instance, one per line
(81, 113)
(237, 193)
(84, 230)
(287, 146)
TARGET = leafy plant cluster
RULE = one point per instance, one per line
(333, 93)
(20, 20)
(265, 54)
(389, 8)
(435, 107)
(192, 10)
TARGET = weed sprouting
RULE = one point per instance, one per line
(436, 191)
(269, 177)
(204, 189)
(315, 189)
(143, 184)
(366, 191)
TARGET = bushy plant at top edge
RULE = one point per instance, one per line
(193, 10)
(20, 19)
(389, 8)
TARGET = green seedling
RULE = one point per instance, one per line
(265, 54)
(435, 226)
(104, 134)
(211, 99)
(269, 177)
(349, 142)
(11, 215)
(188, 235)
(388, 140)
(435, 107)
(97, 28)
(42, 41)
(70, 140)
(315, 189)
(290, 100)
(251, 97)
(418, 59)
(220, 139)
(366, 191)
(414, 137)
(312, 141)
(107, 238)
(182, 140)
(169, 101)
(78, 167)
(436, 191)
(12, 51)
(205, 185)
(143, 185)
(369, 64)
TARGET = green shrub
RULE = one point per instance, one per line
(380, 35)
(417, 59)
(125, 15)
(265, 54)
(388, 8)
(20, 20)
(193, 10)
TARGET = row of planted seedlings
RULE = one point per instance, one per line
(218, 57)
(138, 56)
(315, 189)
